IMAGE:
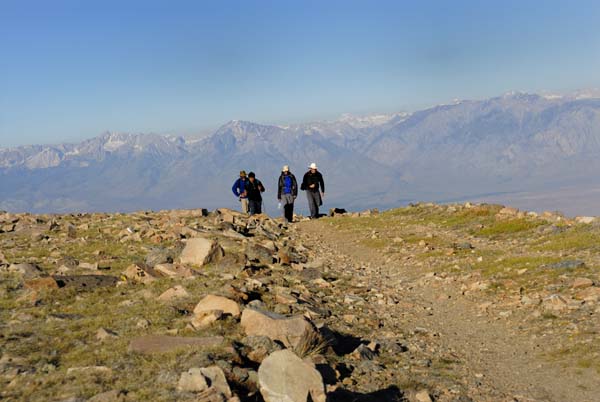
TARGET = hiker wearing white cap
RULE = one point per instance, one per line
(314, 186)
(287, 192)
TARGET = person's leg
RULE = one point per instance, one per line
(288, 213)
(258, 207)
(312, 203)
(252, 207)
(244, 202)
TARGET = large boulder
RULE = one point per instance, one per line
(200, 251)
(284, 377)
(287, 330)
(213, 302)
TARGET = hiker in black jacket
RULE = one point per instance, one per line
(253, 189)
(314, 186)
(287, 191)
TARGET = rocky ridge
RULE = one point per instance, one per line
(407, 304)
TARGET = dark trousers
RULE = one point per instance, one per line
(254, 207)
(314, 200)
(288, 212)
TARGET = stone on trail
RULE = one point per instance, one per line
(176, 292)
(287, 330)
(213, 302)
(284, 377)
(151, 344)
(200, 251)
(28, 271)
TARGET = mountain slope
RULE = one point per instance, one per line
(519, 144)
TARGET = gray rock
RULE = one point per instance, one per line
(284, 377)
(160, 255)
(257, 348)
(287, 330)
(567, 264)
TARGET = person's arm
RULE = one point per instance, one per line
(279, 186)
(303, 185)
(294, 187)
(261, 188)
(322, 183)
(235, 188)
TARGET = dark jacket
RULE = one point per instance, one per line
(281, 185)
(313, 178)
(239, 187)
(254, 190)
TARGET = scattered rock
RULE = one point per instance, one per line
(288, 331)
(28, 271)
(137, 274)
(41, 283)
(200, 251)
(205, 318)
(423, 396)
(176, 292)
(582, 283)
(175, 271)
(257, 348)
(284, 377)
(567, 264)
(192, 381)
(213, 302)
(104, 334)
(85, 282)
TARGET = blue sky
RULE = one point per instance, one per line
(70, 70)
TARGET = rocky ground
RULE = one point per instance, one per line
(423, 303)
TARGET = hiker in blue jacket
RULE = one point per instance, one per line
(239, 190)
(287, 192)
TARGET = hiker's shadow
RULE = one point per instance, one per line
(390, 394)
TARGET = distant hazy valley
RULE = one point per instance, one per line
(531, 151)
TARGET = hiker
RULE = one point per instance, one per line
(254, 187)
(287, 191)
(314, 186)
(239, 190)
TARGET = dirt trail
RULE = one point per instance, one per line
(493, 357)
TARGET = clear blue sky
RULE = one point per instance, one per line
(72, 69)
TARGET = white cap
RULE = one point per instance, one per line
(286, 168)
(313, 166)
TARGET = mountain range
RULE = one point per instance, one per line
(533, 151)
